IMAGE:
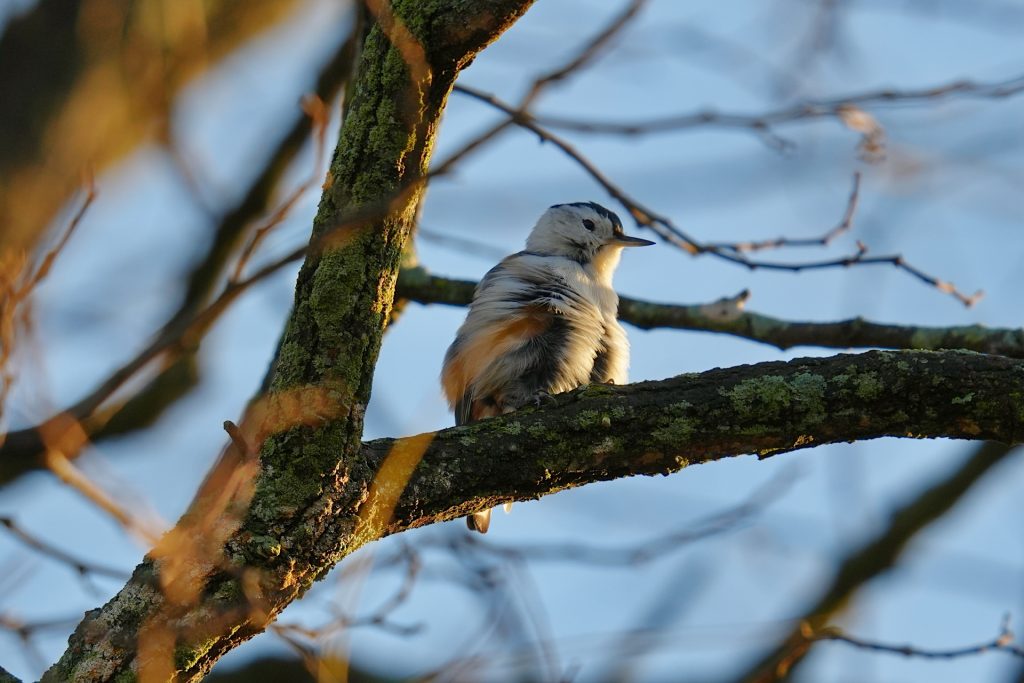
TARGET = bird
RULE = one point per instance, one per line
(542, 321)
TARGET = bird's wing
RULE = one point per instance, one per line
(472, 358)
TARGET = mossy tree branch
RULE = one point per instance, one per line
(728, 317)
(179, 614)
(601, 432)
(596, 433)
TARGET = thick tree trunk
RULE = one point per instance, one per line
(263, 529)
(230, 567)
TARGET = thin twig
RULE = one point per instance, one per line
(586, 54)
(47, 263)
(667, 230)
(66, 471)
(319, 116)
(809, 109)
(80, 566)
(844, 225)
(1003, 642)
(27, 630)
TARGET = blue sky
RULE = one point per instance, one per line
(948, 197)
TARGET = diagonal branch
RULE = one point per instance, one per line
(216, 579)
(870, 560)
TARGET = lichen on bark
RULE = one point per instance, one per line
(312, 477)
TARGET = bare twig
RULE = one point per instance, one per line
(51, 256)
(80, 566)
(319, 116)
(237, 438)
(1002, 642)
(26, 631)
(809, 109)
(65, 470)
(586, 53)
(844, 225)
(667, 230)
(379, 618)
(18, 279)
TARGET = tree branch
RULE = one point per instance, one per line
(603, 432)
(801, 111)
(217, 579)
(104, 80)
(261, 531)
(594, 434)
(728, 317)
(870, 560)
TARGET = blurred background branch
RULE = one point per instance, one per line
(103, 77)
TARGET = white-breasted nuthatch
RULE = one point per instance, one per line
(542, 321)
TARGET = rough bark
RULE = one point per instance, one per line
(312, 478)
(606, 432)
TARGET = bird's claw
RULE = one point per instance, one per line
(542, 397)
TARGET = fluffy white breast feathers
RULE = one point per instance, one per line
(542, 321)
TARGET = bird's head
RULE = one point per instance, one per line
(585, 232)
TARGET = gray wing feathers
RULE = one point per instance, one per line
(536, 324)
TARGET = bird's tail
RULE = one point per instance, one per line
(479, 521)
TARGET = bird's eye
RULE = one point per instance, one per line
(588, 224)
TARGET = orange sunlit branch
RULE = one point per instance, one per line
(65, 434)
(388, 485)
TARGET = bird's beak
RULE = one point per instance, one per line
(629, 241)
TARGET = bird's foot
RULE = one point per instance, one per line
(542, 397)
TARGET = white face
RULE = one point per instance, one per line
(579, 231)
